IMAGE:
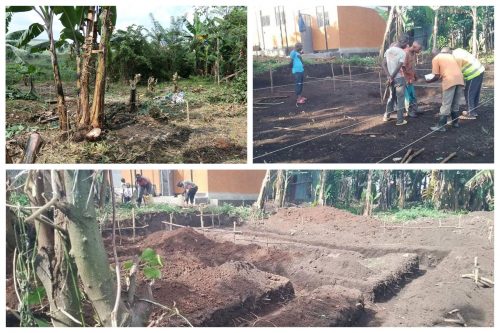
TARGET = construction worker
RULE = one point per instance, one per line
(410, 74)
(394, 58)
(126, 191)
(190, 190)
(473, 72)
(445, 68)
(298, 72)
(144, 187)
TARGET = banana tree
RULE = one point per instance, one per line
(47, 14)
(198, 37)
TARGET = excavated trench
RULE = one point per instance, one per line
(215, 282)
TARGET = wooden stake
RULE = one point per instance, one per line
(414, 155)
(381, 93)
(133, 223)
(271, 78)
(213, 225)
(234, 232)
(449, 157)
(333, 76)
(406, 155)
(350, 76)
(343, 69)
(201, 218)
(476, 271)
(171, 221)
(187, 111)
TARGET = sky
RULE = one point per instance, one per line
(127, 15)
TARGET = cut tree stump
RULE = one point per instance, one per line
(94, 134)
(32, 147)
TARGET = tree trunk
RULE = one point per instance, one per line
(260, 199)
(32, 147)
(401, 189)
(87, 247)
(368, 195)
(474, 31)
(61, 105)
(97, 114)
(435, 28)
(84, 111)
(102, 190)
(384, 197)
(387, 31)
(53, 268)
(278, 192)
(285, 188)
(321, 194)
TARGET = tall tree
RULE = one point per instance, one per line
(368, 195)
(279, 188)
(46, 13)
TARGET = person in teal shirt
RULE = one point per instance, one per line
(298, 72)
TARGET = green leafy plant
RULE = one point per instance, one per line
(150, 264)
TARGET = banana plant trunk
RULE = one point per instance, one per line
(84, 78)
(61, 105)
(97, 114)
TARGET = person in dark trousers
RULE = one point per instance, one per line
(298, 72)
(394, 58)
(144, 187)
(473, 72)
(446, 69)
(410, 74)
(190, 190)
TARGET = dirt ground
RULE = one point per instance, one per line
(323, 267)
(216, 133)
(345, 125)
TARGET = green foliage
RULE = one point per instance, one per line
(357, 60)
(35, 297)
(216, 35)
(408, 214)
(17, 129)
(19, 198)
(150, 264)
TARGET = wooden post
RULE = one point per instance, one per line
(350, 76)
(171, 221)
(133, 223)
(234, 232)
(333, 76)
(476, 271)
(271, 78)
(381, 93)
(187, 110)
(213, 225)
(201, 219)
(343, 74)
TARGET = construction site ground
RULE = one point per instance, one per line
(154, 133)
(319, 266)
(344, 124)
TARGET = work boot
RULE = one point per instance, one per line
(454, 119)
(412, 114)
(440, 125)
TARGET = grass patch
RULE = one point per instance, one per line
(408, 214)
(124, 211)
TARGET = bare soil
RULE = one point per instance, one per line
(324, 267)
(345, 125)
(318, 266)
(216, 133)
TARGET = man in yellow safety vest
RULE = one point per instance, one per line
(473, 72)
